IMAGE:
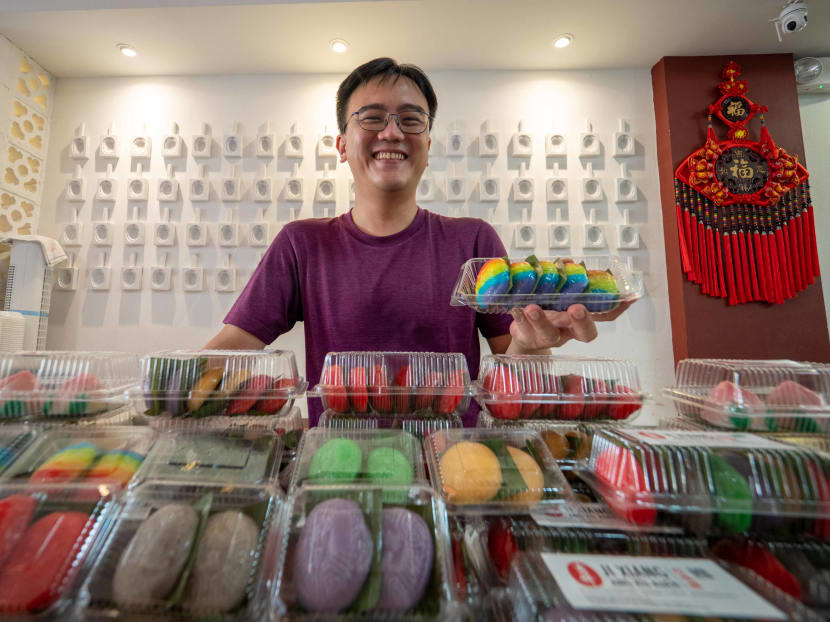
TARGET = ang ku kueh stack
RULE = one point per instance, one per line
(555, 507)
(744, 211)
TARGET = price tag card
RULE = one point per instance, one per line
(684, 586)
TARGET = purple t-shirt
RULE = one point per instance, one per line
(355, 291)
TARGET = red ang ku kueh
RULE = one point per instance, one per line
(744, 211)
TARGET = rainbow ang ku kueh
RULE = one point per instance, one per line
(744, 210)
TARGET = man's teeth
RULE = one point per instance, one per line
(389, 155)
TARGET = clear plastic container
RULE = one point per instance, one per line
(384, 383)
(51, 534)
(711, 482)
(64, 386)
(217, 569)
(376, 457)
(478, 471)
(492, 543)
(108, 456)
(591, 282)
(579, 587)
(14, 440)
(191, 385)
(567, 442)
(234, 457)
(800, 569)
(536, 386)
(325, 576)
(762, 396)
(419, 427)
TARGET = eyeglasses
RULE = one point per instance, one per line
(376, 120)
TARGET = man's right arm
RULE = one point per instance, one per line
(234, 338)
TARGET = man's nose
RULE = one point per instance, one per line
(392, 131)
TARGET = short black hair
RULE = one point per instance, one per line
(384, 68)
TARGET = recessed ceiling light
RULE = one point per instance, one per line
(338, 46)
(127, 50)
(563, 41)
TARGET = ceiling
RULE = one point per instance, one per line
(214, 37)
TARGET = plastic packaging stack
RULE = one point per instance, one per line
(556, 507)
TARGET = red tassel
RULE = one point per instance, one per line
(704, 268)
(695, 248)
(785, 234)
(773, 289)
(747, 240)
(719, 256)
(805, 250)
(730, 272)
(795, 252)
(745, 267)
(684, 252)
(760, 266)
(813, 245)
(713, 262)
(781, 254)
(738, 263)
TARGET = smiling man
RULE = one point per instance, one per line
(380, 276)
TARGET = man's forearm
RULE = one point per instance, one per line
(234, 338)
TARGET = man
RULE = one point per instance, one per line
(380, 276)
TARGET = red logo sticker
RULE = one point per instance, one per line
(584, 574)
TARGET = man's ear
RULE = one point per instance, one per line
(341, 146)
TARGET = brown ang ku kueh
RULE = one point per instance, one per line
(744, 211)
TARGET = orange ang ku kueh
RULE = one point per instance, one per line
(744, 211)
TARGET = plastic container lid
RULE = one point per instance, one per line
(395, 564)
(478, 471)
(232, 457)
(50, 533)
(419, 427)
(710, 482)
(595, 290)
(49, 385)
(559, 587)
(800, 569)
(525, 386)
(383, 383)
(223, 530)
(377, 457)
(14, 440)
(195, 384)
(774, 396)
(493, 543)
(99, 455)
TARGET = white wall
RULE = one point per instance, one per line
(815, 123)
(547, 102)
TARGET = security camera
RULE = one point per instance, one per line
(792, 18)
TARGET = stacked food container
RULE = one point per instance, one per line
(143, 489)
(182, 486)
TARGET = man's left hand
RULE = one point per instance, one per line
(533, 329)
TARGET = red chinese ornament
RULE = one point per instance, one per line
(744, 210)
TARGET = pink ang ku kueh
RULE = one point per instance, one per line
(744, 211)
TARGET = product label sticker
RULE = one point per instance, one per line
(592, 516)
(683, 586)
(691, 438)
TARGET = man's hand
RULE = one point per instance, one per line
(533, 329)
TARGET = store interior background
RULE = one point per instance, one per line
(270, 62)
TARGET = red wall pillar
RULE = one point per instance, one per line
(703, 326)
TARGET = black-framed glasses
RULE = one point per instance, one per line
(376, 120)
